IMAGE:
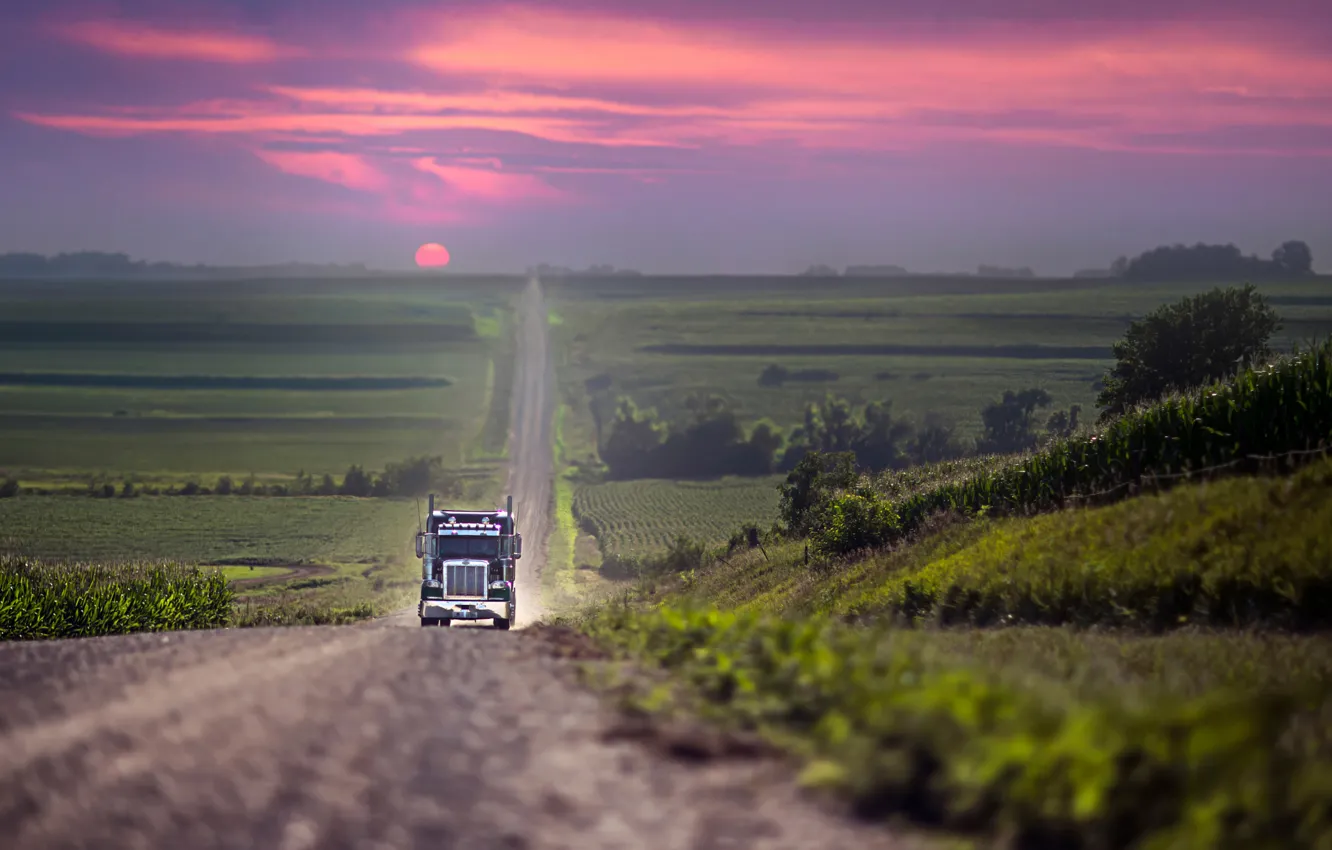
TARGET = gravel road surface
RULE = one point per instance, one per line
(367, 736)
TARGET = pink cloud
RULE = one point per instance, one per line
(488, 183)
(262, 121)
(144, 40)
(492, 101)
(344, 169)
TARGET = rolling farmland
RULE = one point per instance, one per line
(124, 389)
(930, 346)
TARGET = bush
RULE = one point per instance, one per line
(854, 523)
(811, 486)
(9, 489)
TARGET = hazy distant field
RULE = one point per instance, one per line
(943, 346)
(240, 377)
(948, 345)
(167, 383)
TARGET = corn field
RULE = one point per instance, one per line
(1264, 418)
(48, 600)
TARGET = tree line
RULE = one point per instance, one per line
(711, 441)
(1204, 338)
(1200, 261)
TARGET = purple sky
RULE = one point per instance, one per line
(666, 136)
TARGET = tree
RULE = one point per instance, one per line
(875, 437)
(1063, 423)
(1193, 342)
(1008, 422)
(935, 442)
(1294, 258)
(356, 483)
(882, 440)
(632, 438)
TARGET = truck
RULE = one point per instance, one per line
(468, 565)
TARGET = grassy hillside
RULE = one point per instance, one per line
(1142, 669)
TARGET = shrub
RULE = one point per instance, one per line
(811, 485)
(853, 523)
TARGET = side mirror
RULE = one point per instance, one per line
(517, 546)
(420, 552)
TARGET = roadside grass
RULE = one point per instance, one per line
(351, 592)
(1048, 738)
(1086, 736)
(43, 600)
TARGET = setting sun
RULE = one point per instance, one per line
(432, 255)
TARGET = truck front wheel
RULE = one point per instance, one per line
(501, 623)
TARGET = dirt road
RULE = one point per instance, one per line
(530, 447)
(369, 736)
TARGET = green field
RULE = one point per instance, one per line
(240, 377)
(952, 345)
(639, 517)
(165, 383)
(208, 529)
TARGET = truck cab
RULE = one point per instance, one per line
(468, 565)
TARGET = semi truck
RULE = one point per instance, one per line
(468, 565)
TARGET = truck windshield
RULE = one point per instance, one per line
(469, 547)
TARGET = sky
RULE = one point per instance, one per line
(670, 136)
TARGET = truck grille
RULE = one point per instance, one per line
(465, 580)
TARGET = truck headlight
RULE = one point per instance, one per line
(498, 585)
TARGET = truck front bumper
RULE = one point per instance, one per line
(463, 609)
